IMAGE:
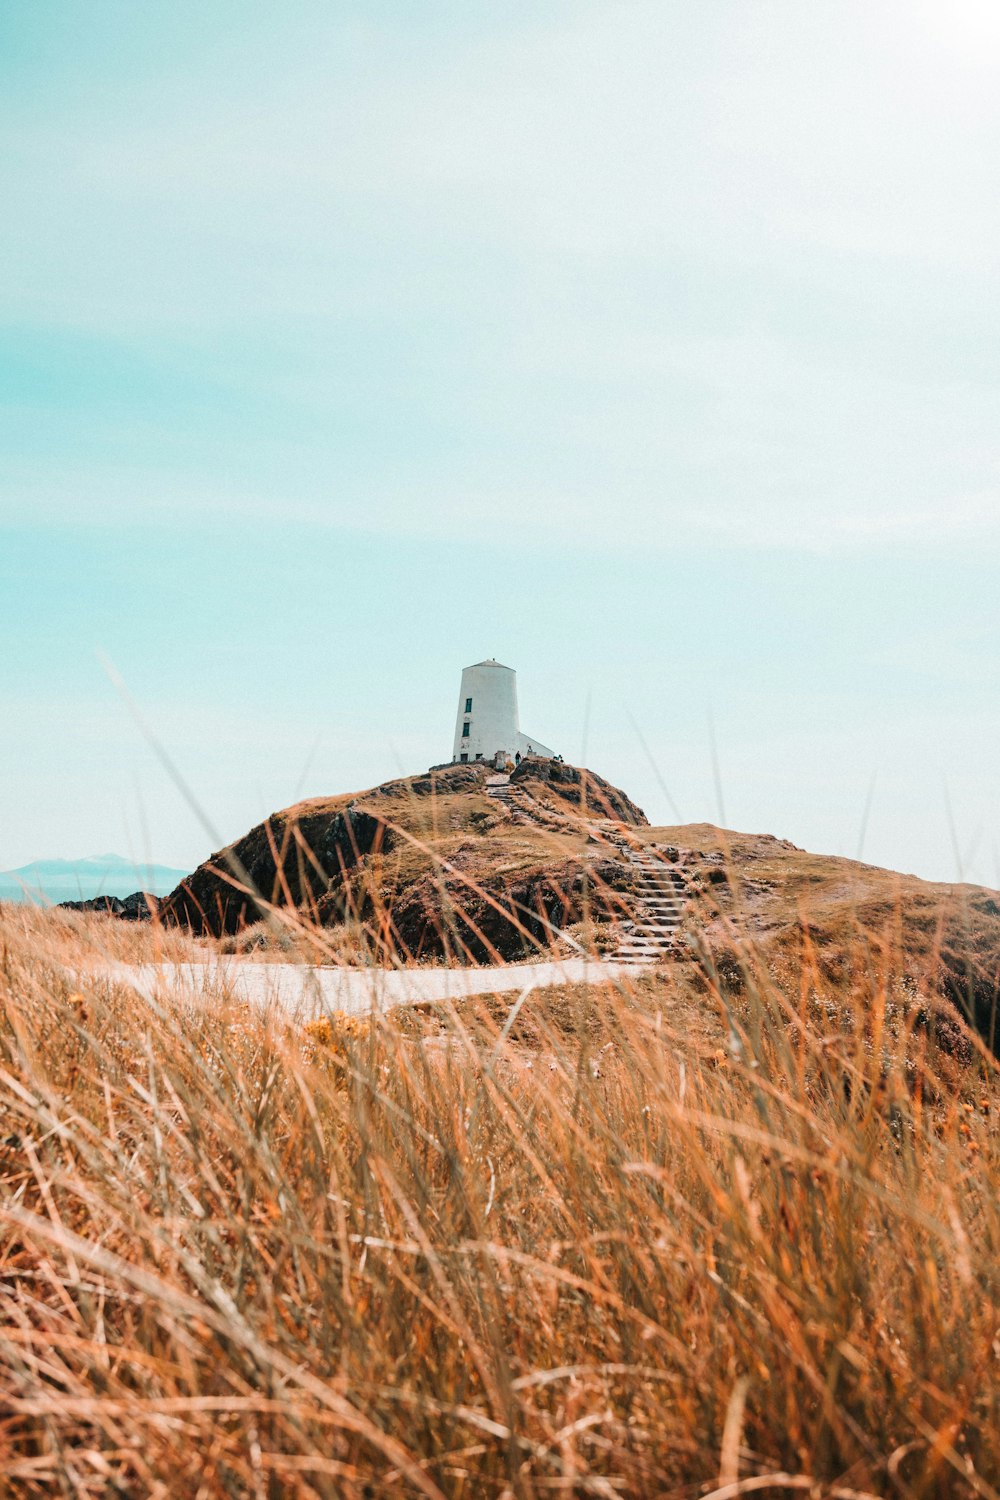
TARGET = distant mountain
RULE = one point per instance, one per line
(46, 881)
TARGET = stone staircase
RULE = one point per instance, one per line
(661, 895)
(513, 799)
(660, 889)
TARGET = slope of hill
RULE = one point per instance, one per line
(761, 904)
(662, 1237)
(435, 866)
(727, 1224)
(48, 881)
(426, 866)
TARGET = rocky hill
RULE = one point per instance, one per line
(427, 866)
(439, 866)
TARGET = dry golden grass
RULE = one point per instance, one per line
(688, 1237)
(55, 937)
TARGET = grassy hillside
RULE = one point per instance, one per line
(431, 868)
(705, 1234)
(762, 906)
(423, 867)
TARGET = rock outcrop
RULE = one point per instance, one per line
(138, 907)
(481, 915)
(584, 790)
(427, 866)
(291, 859)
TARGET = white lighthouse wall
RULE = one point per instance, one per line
(527, 746)
(492, 720)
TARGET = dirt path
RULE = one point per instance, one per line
(306, 991)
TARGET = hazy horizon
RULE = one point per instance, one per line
(44, 882)
(650, 349)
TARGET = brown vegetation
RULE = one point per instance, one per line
(425, 867)
(760, 902)
(731, 1228)
(429, 868)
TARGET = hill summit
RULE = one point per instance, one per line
(436, 865)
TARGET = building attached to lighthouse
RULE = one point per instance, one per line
(487, 724)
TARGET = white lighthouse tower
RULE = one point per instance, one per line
(487, 723)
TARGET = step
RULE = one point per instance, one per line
(643, 947)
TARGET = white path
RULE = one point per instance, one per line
(308, 991)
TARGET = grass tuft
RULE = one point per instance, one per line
(730, 1228)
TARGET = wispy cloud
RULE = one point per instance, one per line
(698, 298)
(727, 272)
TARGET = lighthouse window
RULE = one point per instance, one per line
(468, 705)
(465, 731)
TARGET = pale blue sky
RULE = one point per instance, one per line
(652, 348)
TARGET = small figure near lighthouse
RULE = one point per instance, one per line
(487, 724)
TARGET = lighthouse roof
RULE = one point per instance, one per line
(491, 663)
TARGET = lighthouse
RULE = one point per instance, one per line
(487, 723)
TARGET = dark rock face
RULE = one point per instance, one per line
(138, 907)
(582, 788)
(321, 858)
(486, 919)
(112, 905)
(442, 780)
(287, 860)
(135, 908)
